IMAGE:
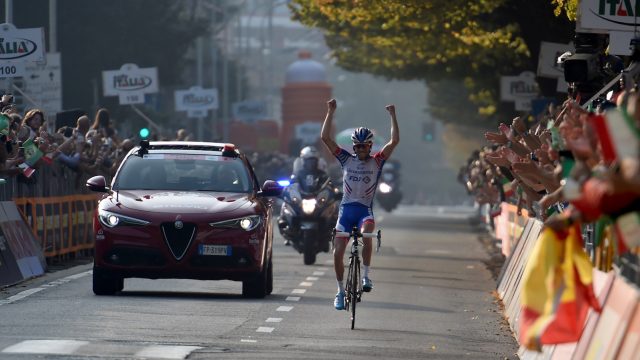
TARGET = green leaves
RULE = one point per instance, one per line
(431, 40)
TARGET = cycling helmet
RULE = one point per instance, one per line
(309, 152)
(362, 135)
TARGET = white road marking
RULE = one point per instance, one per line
(21, 295)
(57, 347)
(318, 273)
(293, 298)
(166, 351)
(311, 278)
(248, 340)
(29, 292)
(298, 291)
(306, 283)
(275, 320)
(435, 251)
(265, 329)
(284, 308)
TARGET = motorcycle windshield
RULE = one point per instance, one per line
(310, 184)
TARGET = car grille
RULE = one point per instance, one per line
(178, 240)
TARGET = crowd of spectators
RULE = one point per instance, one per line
(571, 165)
(92, 147)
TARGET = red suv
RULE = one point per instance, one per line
(189, 210)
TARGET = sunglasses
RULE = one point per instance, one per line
(360, 146)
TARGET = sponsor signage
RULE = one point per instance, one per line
(519, 89)
(130, 83)
(19, 47)
(607, 15)
(26, 45)
(196, 101)
(249, 110)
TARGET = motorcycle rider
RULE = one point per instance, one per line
(308, 172)
(361, 172)
(308, 167)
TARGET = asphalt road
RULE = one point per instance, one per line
(432, 299)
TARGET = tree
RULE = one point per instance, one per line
(472, 43)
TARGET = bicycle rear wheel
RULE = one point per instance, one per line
(355, 280)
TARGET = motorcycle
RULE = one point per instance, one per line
(388, 194)
(308, 215)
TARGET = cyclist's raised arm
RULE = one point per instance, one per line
(325, 135)
(395, 133)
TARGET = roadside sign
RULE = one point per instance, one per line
(43, 83)
(548, 59)
(249, 110)
(130, 83)
(603, 16)
(196, 101)
(18, 47)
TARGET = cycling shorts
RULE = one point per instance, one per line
(353, 214)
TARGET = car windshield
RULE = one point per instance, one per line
(183, 172)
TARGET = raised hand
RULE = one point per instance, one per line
(496, 138)
(331, 104)
(391, 109)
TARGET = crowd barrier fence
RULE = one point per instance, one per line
(612, 334)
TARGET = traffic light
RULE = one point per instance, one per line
(428, 131)
(144, 133)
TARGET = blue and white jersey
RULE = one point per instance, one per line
(359, 177)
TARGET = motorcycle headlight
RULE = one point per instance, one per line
(246, 223)
(308, 206)
(385, 188)
(111, 219)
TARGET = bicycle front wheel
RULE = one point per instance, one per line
(355, 280)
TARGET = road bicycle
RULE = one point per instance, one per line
(353, 286)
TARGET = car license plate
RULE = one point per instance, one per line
(215, 250)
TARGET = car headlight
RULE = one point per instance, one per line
(111, 220)
(385, 188)
(246, 223)
(308, 206)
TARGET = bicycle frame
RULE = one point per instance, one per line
(353, 286)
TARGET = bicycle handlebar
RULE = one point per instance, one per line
(377, 235)
(348, 234)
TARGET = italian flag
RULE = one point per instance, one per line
(617, 134)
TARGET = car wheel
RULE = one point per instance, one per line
(256, 287)
(270, 278)
(105, 283)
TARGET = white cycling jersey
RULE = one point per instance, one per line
(360, 177)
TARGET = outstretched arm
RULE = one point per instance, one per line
(325, 135)
(395, 133)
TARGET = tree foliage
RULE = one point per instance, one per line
(469, 42)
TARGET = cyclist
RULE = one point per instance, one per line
(360, 173)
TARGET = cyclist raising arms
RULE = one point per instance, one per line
(360, 174)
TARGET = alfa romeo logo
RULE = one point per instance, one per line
(178, 224)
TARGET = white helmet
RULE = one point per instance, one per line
(309, 152)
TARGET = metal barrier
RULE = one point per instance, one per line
(57, 207)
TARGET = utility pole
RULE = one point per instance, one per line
(8, 10)
(53, 26)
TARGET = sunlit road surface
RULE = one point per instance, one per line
(432, 299)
